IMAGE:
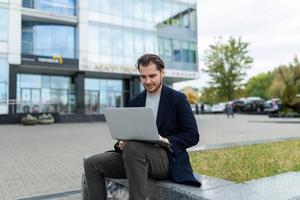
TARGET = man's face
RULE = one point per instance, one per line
(151, 78)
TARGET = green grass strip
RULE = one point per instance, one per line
(244, 163)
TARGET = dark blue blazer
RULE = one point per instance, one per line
(175, 121)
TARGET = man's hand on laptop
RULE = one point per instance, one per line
(122, 144)
(164, 139)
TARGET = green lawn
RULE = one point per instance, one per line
(244, 163)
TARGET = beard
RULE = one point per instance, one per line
(154, 89)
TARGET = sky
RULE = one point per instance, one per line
(272, 27)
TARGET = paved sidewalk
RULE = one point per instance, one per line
(47, 160)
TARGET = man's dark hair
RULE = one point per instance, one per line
(148, 59)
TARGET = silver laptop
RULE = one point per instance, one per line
(134, 123)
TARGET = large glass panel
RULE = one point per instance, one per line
(185, 20)
(139, 9)
(57, 82)
(48, 39)
(184, 51)
(38, 93)
(159, 12)
(3, 86)
(105, 41)
(149, 43)
(117, 9)
(94, 5)
(129, 9)
(176, 50)
(117, 42)
(139, 44)
(94, 38)
(101, 93)
(192, 52)
(105, 6)
(30, 81)
(128, 43)
(3, 24)
(193, 20)
(149, 12)
(91, 84)
(64, 7)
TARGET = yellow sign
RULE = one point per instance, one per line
(58, 59)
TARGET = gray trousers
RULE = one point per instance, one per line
(138, 162)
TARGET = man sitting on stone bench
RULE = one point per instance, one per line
(137, 160)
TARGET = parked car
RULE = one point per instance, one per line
(218, 108)
(238, 105)
(254, 104)
(268, 105)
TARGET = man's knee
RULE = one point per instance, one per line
(89, 163)
(133, 148)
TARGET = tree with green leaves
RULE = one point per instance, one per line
(226, 64)
(287, 83)
(259, 85)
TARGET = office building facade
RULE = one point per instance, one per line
(73, 58)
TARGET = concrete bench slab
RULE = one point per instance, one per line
(279, 187)
(167, 190)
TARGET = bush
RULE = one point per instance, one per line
(29, 120)
(46, 119)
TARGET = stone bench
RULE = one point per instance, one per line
(166, 190)
(279, 187)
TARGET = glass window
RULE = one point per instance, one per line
(94, 38)
(39, 93)
(185, 20)
(114, 85)
(91, 84)
(193, 20)
(48, 39)
(129, 9)
(117, 7)
(128, 44)
(184, 51)
(3, 80)
(159, 13)
(94, 5)
(192, 52)
(139, 9)
(64, 7)
(117, 42)
(107, 94)
(3, 24)
(167, 47)
(30, 81)
(149, 43)
(59, 82)
(149, 12)
(139, 44)
(105, 6)
(105, 41)
(176, 50)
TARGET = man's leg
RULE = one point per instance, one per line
(142, 160)
(99, 166)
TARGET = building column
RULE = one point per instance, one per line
(13, 72)
(79, 90)
(135, 87)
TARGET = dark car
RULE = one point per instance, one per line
(254, 105)
(238, 105)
